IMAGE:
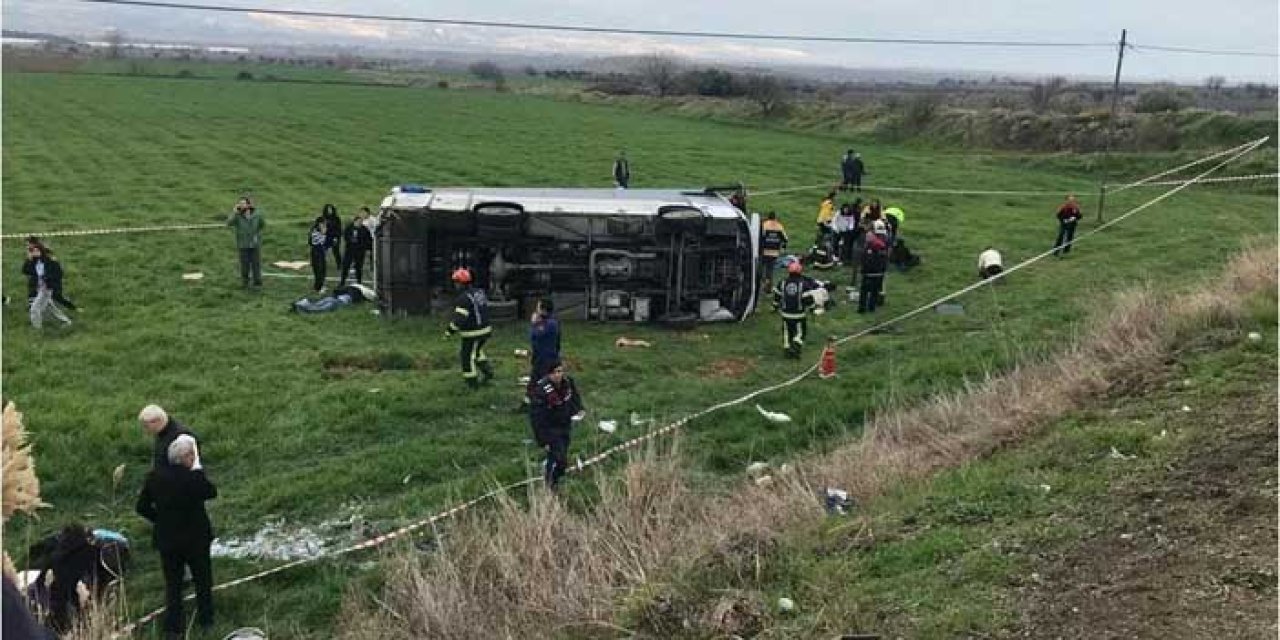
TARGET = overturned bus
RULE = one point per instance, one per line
(669, 256)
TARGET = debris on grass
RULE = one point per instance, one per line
(1116, 455)
(608, 426)
(773, 416)
(277, 540)
(195, 275)
(624, 341)
(837, 501)
(637, 421)
(949, 309)
(727, 368)
(786, 605)
(295, 265)
(1255, 336)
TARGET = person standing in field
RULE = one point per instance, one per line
(172, 500)
(471, 322)
(1068, 216)
(333, 233)
(826, 213)
(157, 422)
(792, 302)
(846, 228)
(318, 242)
(875, 261)
(44, 276)
(544, 342)
(773, 239)
(358, 240)
(247, 224)
(555, 406)
(622, 171)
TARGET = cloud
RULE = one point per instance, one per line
(342, 27)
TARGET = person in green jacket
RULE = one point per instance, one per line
(247, 224)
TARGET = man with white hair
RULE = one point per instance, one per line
(172, 499)
(990, 263)
(157, 422)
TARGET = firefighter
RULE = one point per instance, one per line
(773, 239)
(792, 302)
(471, 322)
(556, 405)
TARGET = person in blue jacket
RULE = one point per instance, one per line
(544, 343)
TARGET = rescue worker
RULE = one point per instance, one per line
(875, 260)
(622, 171)
(471, 322)
(792, 303)
(555, 406)
(544, 344)
(773, 239)
(826, 213)
(821, 257)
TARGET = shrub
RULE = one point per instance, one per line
(244, 75)
(1159, 101)
(442, 84)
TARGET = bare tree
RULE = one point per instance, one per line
(1214, 84)
(769, 93)
(115, 42)
(659, 72)
(1043, 93)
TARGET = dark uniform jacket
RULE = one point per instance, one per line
(553, 406)
(471, 314)
(52, 280)
(357, 237)
(789, 296)
(773, 238)
(170, 432)
(875, 260)
(173, 500)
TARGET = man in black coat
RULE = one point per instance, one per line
(333, 233)
(554, 406)
(165, 429)
(172, 499)
(358, 240)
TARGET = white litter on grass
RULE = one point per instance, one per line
(756, 468)
(773, 416)
(1116, 455)
(637, 421)
(1255, 336)
(764, 481)
(1046, 488)
(193, 276)
(608, 426)
(522, 353)
(296, 265)
(1186, 409)
(375, 390)
(786, 605)
(280, 541)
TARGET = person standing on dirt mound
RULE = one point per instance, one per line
(555, 406)
(247, 224)
(471, 322)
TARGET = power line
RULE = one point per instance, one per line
(1211, 52)
(587, 29)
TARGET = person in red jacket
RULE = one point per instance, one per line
(1068, 216)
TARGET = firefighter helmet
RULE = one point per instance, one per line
(461, 275)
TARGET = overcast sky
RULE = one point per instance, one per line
(1229, 24)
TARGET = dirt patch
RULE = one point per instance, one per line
(727, 368)
(1189, 553)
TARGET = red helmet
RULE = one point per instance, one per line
(795, 267)
(461, 275)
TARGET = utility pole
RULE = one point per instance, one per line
(1111, 126)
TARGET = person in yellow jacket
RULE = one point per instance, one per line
(826, 213)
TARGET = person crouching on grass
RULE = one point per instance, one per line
(172, 499)
(555, 405)
(44, 283)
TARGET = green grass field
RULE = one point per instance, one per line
(287, 438)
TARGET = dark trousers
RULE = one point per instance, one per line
(847, 240)
(1066, 232)
(353, 258)
(793, 332)
(337, 254)
(173, 561)
(317, 267)
(869, 293)
(251, 265)
(474, 361)
(556, 442)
